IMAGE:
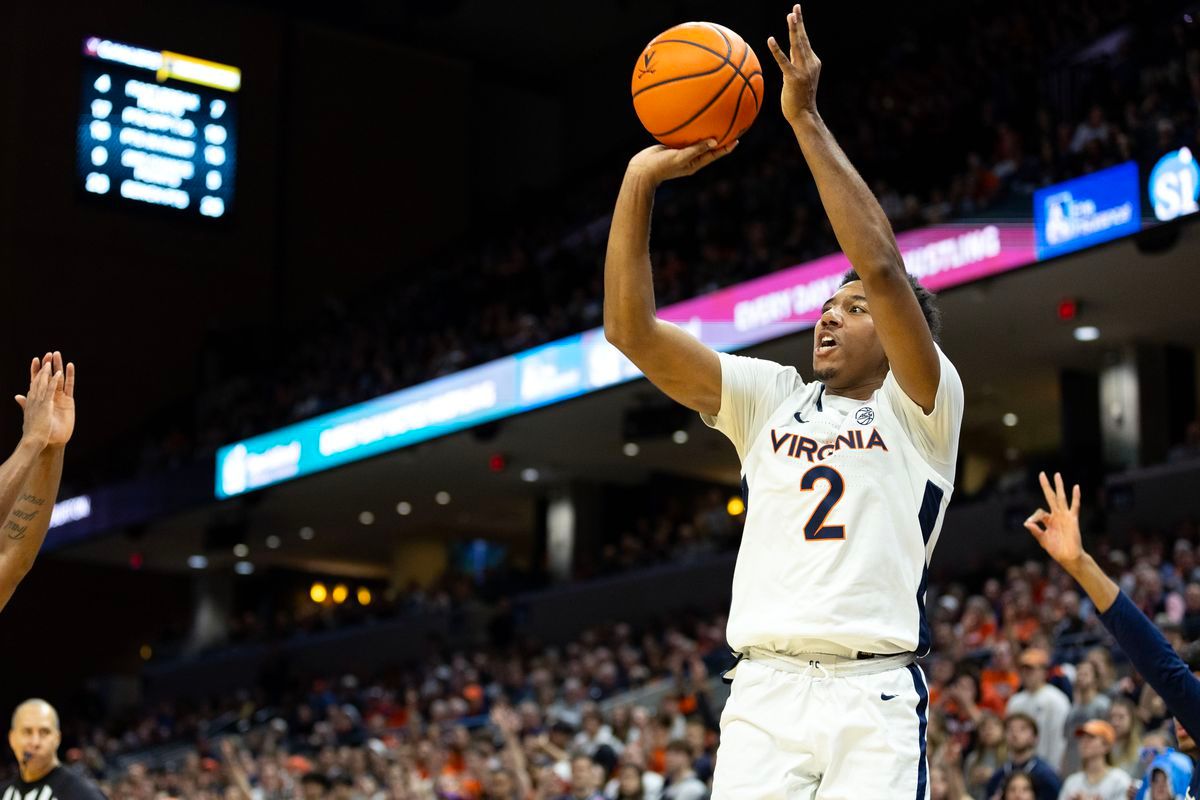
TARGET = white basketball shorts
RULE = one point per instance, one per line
(794, 732)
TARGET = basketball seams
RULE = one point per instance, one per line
(704, 32)
(665, 81)
(729, 47)
(736, 72)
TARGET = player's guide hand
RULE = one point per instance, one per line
(800, 67)
(1057, 530)
(660, 163)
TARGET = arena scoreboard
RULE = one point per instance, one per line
(158, 128)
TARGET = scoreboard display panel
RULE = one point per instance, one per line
(158, 128)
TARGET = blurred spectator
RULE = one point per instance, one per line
(1098, 780)
(1126, 751)
(988, 755)
(1044, 703)
(1021, 737)
(1087, 704)
(681, 781)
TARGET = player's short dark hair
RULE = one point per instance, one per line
(1023, 717)
(926, 298)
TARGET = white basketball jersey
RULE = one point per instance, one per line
(844, 502)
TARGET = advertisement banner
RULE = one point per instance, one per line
(1085, 211)
(733, 318)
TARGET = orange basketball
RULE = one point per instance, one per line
(697, 81)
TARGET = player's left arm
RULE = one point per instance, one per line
(861, 227)
(29, 518)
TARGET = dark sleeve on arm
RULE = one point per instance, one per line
(1160, 665)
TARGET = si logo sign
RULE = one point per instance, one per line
(1175, 185)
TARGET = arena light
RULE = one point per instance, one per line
(318, 592)
(273, 542)
(404, 508)
(366, 518)
(307, 533)
(530, 475)
(146, 652)
(631, 449)
(197, 562)
(340, 593)
(364, 596)
(679, 437)
(442, 498)
(1010, 420)
(1087, 333)
(243, 568)
(241, 550)
(735, 507)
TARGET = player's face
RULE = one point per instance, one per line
(34, 737)
(846, 350)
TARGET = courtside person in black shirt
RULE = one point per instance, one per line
(34, 740)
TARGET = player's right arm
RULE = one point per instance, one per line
(688, 371)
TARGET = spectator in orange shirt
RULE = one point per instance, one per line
(999, 681)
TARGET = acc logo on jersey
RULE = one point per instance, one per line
(864, 416)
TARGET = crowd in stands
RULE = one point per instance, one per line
(1027, 94)
(680, 527)
(1028, 698)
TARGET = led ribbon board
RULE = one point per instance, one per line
(158, 128)
(730, 319)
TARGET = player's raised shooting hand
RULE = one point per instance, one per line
(800, 67)
(660, 163)
(61, 399)
(38, 404)
(1057, 530)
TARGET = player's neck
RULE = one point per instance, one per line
(857, 391)
(31, 773)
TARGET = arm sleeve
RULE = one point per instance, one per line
(1161, 666)
(934, 434)
(751, 390)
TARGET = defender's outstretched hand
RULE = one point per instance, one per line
(661, 163)
(801, 69)
(1057, 530)
(61, 404)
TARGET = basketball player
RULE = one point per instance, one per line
(846, 477)
(29, 478)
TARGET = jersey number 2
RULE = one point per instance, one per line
(816, 528)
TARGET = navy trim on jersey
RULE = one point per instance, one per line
(820, 392)
(931, 504)
(922, 704)
(924, 633)
(745, 494)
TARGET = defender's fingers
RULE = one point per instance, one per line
(1046, 490)
(1060, 491)
(780, 58)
